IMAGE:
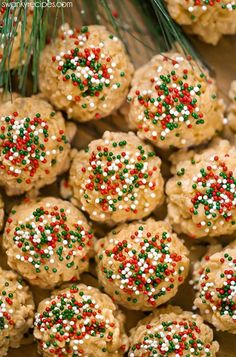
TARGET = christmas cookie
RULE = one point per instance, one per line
(48, 241)
(80, 321)
(117, 178)
(202, 193)
(141, 265)
(19, 44)
(232, 107)
(172, 332)
(85, 72)
(33, 145)
(16, 310)
(174, 103)
(215, 282)
(209, 19)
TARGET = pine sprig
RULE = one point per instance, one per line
(32, 26)
(143, 26)
(172, 32)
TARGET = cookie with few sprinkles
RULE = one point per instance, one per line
(173, 102)
(48, 241)
(116, 179)
(208, 19)
(85, 72)
(80, 321)
(172, 332)
(202, 193)
(214, 279)
(16, 310)
(34, 148)
(141, 265)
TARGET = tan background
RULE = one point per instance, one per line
(221, 59)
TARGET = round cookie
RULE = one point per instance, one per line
(48, 241)
(141, 265)
(174, 103)
(17, 56)
(172, 332)
(16, 310)
(210, 20)
(232, 106)
(85, 72)
(202, 193)
(117, 178)
(214, 280)
(33, 146)
(80, 321)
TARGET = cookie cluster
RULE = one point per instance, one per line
(118, 183)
